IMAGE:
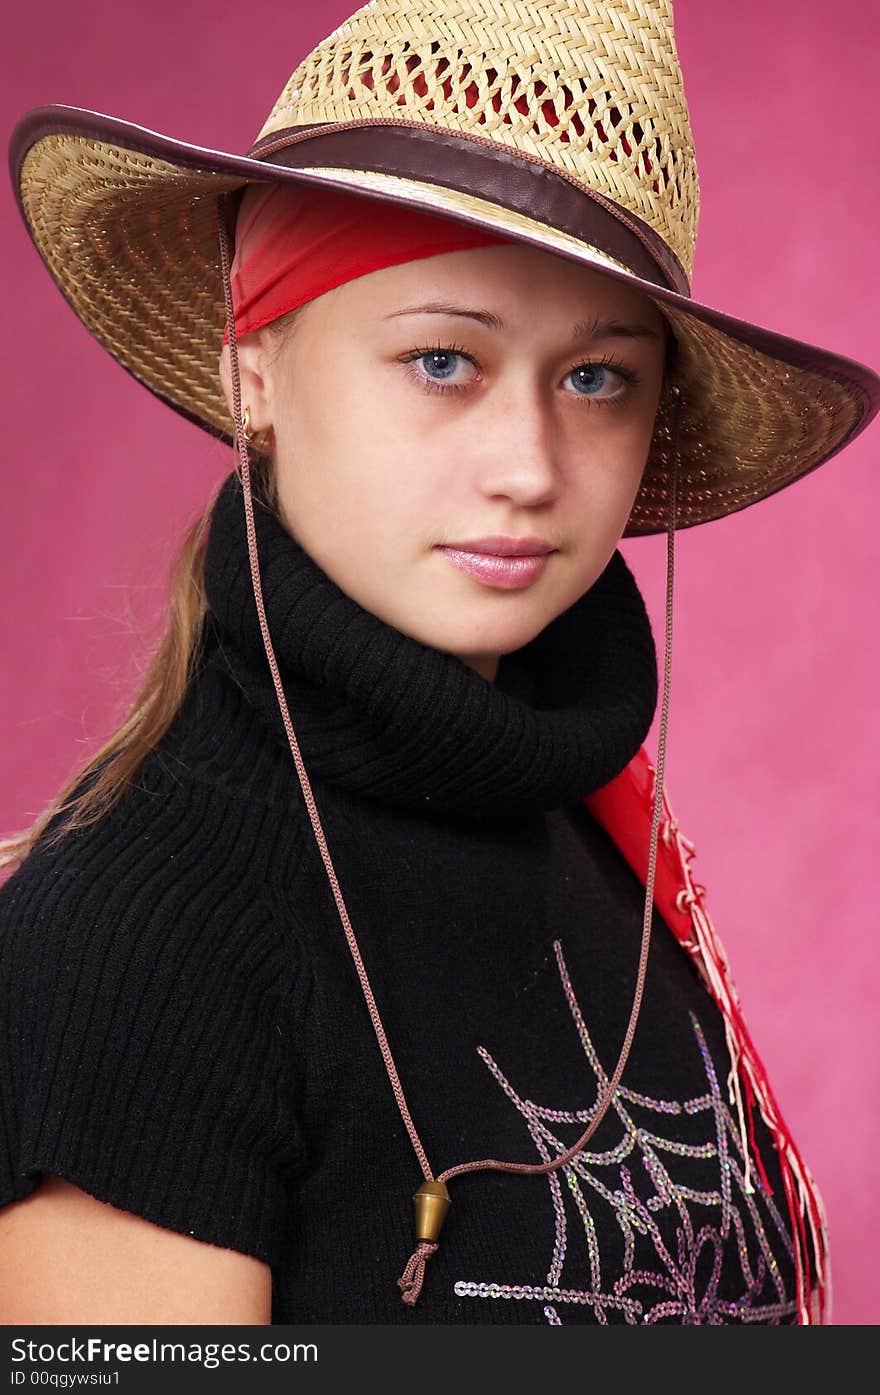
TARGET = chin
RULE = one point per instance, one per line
(482, 646)
(479, 626)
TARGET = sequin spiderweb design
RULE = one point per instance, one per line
(661, 1279)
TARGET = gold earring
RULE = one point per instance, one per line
(257, 440)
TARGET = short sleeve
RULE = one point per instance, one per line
(147, 1024)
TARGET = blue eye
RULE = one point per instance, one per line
(589, 373)
(439, 354)
(437, 367)
(438, 358)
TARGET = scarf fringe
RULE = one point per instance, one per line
(747, 1073)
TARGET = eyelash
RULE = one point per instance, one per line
(431, 385)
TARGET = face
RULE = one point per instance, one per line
(412, 446)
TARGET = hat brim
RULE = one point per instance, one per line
(125, 220)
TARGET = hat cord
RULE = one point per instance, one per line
(432, 1199)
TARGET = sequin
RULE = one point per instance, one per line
(676, 1282)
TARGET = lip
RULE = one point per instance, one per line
(500, 546)
(505, 571)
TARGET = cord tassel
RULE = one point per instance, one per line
(413, 1275)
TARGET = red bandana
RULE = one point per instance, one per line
(293, 243)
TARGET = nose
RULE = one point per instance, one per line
(520, 448)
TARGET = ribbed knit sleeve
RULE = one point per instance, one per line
(148, 1022)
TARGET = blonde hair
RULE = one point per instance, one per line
(174, 664)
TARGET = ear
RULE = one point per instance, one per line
(251, 357)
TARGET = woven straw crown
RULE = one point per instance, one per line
(560, 124)
(618, 122)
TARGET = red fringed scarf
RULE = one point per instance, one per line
(624, 808)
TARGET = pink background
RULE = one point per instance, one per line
(772, 764)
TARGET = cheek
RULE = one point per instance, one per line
(614, 467)
(600, 500)
(339, 410)
(630, 452)
(363, 468)
(344, 487)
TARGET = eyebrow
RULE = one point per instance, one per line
(594, 328)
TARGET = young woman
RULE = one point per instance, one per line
(364, 888)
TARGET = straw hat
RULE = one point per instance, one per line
(563, 125)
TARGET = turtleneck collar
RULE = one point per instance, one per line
(389, 718)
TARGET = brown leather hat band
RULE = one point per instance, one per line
(481, 167)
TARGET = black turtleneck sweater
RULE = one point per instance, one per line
(183, 1033)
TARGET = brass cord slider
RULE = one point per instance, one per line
(431, 1201)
